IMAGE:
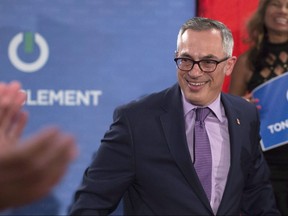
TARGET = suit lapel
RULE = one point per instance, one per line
(174, 129)
(234, 118)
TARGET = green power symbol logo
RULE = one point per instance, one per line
(28, 41)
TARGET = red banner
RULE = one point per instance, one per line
(234, 14)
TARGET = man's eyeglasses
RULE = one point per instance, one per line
(205, 65)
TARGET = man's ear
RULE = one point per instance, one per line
(230, 65)
(176, 54)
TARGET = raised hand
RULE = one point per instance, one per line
(29, 169)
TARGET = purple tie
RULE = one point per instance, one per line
(203, 158)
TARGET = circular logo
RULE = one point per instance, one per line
(28, 67)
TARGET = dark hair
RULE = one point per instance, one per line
(257, 36)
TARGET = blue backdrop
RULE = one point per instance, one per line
(78, 60)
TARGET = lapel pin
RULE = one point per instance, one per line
(238, 121)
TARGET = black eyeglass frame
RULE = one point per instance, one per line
(198, 63)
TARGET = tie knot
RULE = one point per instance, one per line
(202, 113)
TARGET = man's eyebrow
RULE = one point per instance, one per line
(210, 56)
(186, 55)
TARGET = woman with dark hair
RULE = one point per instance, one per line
(266, 58)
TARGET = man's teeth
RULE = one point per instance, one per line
(197, 84)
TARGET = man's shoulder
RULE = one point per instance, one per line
(238, 103)
(234, 99)
(150, 100)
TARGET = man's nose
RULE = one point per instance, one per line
(195, 70)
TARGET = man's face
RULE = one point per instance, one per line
(202, 88)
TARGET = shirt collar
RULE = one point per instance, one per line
(215, 106)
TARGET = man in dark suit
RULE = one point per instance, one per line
(148, 155)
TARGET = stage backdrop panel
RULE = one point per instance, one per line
(78, 60)
(234, 14)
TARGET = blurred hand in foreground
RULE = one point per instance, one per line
(31, 168)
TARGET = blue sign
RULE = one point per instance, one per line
(273, 99)
(78, 60)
